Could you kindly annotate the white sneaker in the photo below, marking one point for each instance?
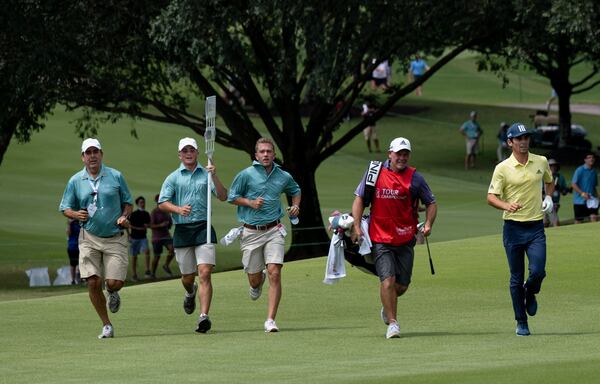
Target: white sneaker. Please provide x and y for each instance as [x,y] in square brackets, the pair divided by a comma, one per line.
[107,332]
[270,326]
[256,292]
[393,331]
[384,318]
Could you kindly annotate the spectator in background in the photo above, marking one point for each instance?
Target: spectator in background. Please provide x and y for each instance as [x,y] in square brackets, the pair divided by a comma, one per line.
[73,229]
[585,192]
[160,224]
[416,70]
[370,132]
[139,223]
[560,187]
[381,76]
[502,144]
[472,131]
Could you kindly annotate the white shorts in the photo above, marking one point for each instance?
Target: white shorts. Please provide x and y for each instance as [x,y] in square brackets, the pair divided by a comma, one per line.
[260,248]
[189,258]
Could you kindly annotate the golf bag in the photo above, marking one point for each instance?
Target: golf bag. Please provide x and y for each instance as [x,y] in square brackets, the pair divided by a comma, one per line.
[356,259]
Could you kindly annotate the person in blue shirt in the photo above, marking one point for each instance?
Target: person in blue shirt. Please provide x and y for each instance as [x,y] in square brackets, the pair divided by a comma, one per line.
[98,197]
[184,196]
[256,191]
[73,229]
[585,190]
[417,69]
[472,131]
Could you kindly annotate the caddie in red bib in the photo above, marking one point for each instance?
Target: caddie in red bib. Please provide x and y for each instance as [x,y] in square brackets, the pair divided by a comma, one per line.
[394,193]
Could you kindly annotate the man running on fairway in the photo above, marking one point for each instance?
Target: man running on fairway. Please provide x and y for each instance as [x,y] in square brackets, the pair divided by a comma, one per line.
[256,191]
[516,190]
[393,225]
[184,196]
[98,197]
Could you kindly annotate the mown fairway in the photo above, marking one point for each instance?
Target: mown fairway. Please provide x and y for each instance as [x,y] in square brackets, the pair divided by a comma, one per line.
[457,327]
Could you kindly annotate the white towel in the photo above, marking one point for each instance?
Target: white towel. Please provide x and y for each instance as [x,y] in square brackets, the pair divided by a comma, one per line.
[365,243]
[231,236]
[335,268]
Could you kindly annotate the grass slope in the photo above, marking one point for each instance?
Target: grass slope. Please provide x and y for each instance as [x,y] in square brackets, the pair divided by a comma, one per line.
[457,327]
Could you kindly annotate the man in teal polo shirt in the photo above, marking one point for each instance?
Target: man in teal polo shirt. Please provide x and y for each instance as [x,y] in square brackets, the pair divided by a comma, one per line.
[472,131]
[515,189]
[184,196]
[99,198]
[256,191]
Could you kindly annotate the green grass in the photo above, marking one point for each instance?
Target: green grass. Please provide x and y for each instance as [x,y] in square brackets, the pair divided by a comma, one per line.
[33,175]
[457,326]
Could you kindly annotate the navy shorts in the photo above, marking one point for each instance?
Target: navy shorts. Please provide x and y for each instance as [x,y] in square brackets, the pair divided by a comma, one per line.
[157,246]
[394,261]
[581,211]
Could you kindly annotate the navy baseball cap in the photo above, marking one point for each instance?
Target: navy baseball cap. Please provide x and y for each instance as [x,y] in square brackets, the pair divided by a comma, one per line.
[516,130]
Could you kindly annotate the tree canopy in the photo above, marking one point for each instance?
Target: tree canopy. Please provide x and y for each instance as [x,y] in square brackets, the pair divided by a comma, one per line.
[553,37]
[292,62]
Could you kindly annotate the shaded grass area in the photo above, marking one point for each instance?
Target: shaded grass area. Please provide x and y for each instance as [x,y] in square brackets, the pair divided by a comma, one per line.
[457,326]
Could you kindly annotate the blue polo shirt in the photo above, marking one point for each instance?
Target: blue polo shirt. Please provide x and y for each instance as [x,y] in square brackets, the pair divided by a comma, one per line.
[254,182]
[471,128]
[587,180]
[183,187]
[113,193]
[418,67]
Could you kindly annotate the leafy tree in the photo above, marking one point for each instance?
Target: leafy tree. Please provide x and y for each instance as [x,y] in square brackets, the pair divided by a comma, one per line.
[284,57]
[552,37]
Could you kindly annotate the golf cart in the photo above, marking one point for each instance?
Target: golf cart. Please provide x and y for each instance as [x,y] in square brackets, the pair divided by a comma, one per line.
[546,133]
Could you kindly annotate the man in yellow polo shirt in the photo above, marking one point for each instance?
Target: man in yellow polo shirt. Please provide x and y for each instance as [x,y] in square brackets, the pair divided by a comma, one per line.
[516,190]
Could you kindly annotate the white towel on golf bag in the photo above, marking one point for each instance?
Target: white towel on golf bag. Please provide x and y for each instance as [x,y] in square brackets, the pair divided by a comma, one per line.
[335,268]
[365,244]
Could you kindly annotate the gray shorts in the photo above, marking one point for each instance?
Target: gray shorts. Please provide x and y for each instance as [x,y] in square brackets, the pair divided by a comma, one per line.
[394,261]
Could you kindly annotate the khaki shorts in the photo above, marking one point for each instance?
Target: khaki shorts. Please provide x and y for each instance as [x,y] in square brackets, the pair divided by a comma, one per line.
[260,248]
[189,258]
[370,133]
[103,256]
[472,146]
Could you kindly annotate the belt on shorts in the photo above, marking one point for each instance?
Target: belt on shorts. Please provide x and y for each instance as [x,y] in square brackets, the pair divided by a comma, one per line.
[262,227]
[111,236]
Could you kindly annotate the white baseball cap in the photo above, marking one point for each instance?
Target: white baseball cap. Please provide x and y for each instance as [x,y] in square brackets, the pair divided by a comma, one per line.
[187,141]
[87,143]
[399,143]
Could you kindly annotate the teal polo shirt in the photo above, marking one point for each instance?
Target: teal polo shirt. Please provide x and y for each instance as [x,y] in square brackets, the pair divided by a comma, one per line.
[471,128]
[183,187]
[254,182]
[113,194]
[587,180]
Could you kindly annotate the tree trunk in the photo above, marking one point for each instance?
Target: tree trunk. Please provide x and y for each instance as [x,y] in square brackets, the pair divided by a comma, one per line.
[7,130]
[309,237]
[564,116]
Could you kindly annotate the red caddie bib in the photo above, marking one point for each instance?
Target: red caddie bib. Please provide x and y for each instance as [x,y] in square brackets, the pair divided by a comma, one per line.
[392,214]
